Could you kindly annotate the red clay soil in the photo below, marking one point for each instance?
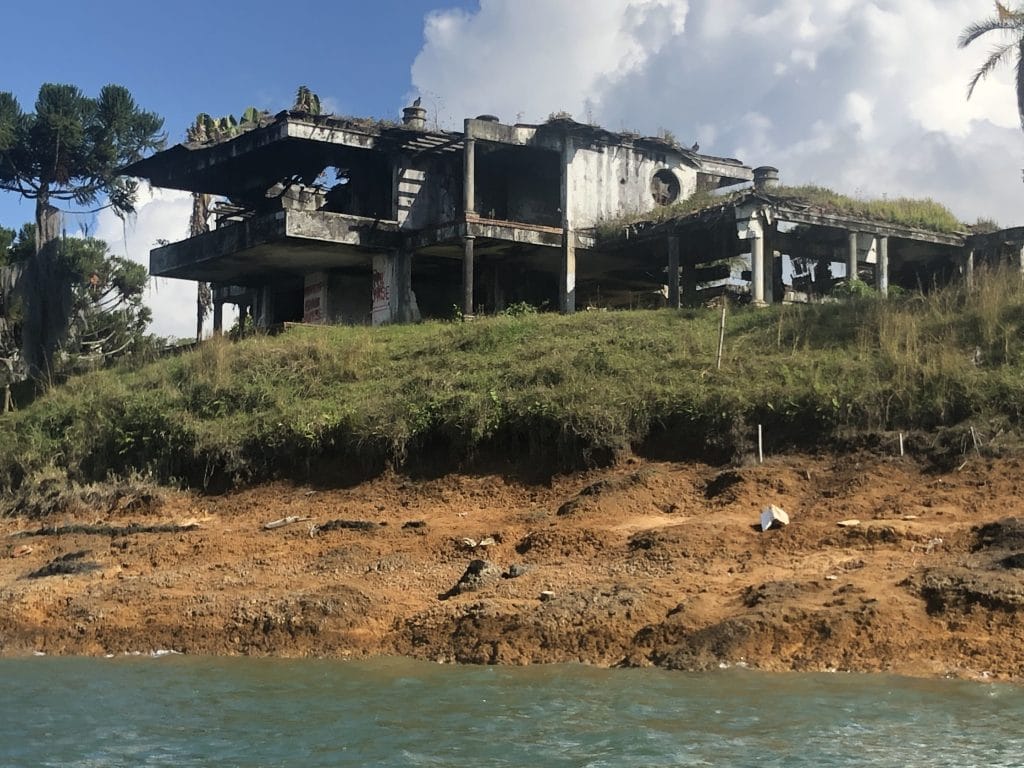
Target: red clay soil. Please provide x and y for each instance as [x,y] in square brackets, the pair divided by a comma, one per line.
[646,563]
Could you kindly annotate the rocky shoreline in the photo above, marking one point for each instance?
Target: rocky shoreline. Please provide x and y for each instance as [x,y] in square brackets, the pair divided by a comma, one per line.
[886,565]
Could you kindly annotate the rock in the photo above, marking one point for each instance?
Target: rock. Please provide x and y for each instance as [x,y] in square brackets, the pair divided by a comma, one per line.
[851,523]
[546,596]
[773,517]
[414,525]
[515,571]
[478,575]
[1007,533]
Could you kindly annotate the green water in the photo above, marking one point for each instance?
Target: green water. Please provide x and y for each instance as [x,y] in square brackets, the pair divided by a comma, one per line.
[178,711]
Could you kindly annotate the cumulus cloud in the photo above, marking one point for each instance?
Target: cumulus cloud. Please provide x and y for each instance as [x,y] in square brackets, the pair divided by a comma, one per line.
[867,96]
[161,214]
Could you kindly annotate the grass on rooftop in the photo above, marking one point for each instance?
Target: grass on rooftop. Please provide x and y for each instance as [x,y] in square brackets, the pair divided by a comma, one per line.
[923,213]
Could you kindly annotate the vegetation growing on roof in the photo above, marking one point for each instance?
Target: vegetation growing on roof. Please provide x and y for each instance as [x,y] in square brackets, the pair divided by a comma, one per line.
[923,213]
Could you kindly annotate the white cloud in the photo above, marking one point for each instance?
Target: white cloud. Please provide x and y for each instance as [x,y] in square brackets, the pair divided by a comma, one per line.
[161,214]
[867,96]
[526,59]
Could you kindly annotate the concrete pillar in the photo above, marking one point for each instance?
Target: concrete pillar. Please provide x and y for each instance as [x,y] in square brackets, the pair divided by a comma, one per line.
[851,257]
[778,287]
[673,271]
[567,277]
[469,175]
[567,271]
[467,276]
[1020,261]
[218,318]
[757,270]
[882,267]
[969,270]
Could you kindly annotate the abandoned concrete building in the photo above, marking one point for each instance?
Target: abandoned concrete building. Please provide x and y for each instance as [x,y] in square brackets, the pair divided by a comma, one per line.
[323,219]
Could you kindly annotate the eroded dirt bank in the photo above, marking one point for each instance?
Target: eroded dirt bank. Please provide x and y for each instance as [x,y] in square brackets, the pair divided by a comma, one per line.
[647,563]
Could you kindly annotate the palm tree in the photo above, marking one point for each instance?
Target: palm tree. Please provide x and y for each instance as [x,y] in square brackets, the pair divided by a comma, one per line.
[1011,23]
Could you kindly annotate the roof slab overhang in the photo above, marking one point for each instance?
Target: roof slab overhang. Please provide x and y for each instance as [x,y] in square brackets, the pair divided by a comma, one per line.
[820,224]
[286,148]
[281,243]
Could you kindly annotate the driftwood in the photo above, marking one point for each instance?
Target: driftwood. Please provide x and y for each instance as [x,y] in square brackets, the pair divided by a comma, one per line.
[281,523]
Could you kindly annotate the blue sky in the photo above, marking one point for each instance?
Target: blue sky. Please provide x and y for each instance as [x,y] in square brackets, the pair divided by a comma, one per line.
[179,59]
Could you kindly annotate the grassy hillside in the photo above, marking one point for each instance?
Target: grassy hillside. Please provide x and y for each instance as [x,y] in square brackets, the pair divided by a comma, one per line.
[541,391]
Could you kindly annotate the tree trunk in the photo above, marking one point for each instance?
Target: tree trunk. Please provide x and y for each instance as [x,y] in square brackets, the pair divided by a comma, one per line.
[47,295]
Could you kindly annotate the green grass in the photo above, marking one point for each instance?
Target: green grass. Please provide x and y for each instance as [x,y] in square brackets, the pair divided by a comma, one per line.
[909,212]
[540,390]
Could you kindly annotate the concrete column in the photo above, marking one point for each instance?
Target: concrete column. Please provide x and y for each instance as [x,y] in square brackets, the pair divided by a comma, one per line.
[1020,261]
[673,272]
[567,277]
[969,270]
[469,175]
[882,266]
[757,270]
[467,276]
[778,287]
[851,257]
[567,271]
[218,318]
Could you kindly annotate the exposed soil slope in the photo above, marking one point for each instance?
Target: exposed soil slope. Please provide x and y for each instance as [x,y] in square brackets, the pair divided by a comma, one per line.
[646,563]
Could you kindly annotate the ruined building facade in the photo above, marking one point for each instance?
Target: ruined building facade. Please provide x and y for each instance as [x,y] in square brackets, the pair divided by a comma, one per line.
[332,220]
[325,219]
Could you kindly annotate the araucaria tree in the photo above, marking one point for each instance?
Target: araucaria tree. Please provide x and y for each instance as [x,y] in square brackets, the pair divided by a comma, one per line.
[1011,24]
[68,150]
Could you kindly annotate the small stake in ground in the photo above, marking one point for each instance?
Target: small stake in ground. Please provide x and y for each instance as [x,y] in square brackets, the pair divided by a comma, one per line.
[760,446]
[901,443]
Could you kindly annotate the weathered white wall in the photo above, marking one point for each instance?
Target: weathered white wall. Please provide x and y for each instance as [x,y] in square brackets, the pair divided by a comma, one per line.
[607,181]
[384,294]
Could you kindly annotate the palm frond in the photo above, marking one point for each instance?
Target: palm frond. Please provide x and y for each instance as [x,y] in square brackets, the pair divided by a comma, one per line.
[973,31]
[995,58]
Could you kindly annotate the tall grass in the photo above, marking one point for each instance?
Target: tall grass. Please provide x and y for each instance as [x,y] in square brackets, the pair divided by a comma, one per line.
[542,390]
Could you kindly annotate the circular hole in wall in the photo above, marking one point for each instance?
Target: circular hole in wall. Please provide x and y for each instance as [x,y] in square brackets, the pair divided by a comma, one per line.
[665,187]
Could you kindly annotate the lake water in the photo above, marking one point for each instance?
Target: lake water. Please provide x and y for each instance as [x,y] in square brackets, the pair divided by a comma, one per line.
[179,711]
